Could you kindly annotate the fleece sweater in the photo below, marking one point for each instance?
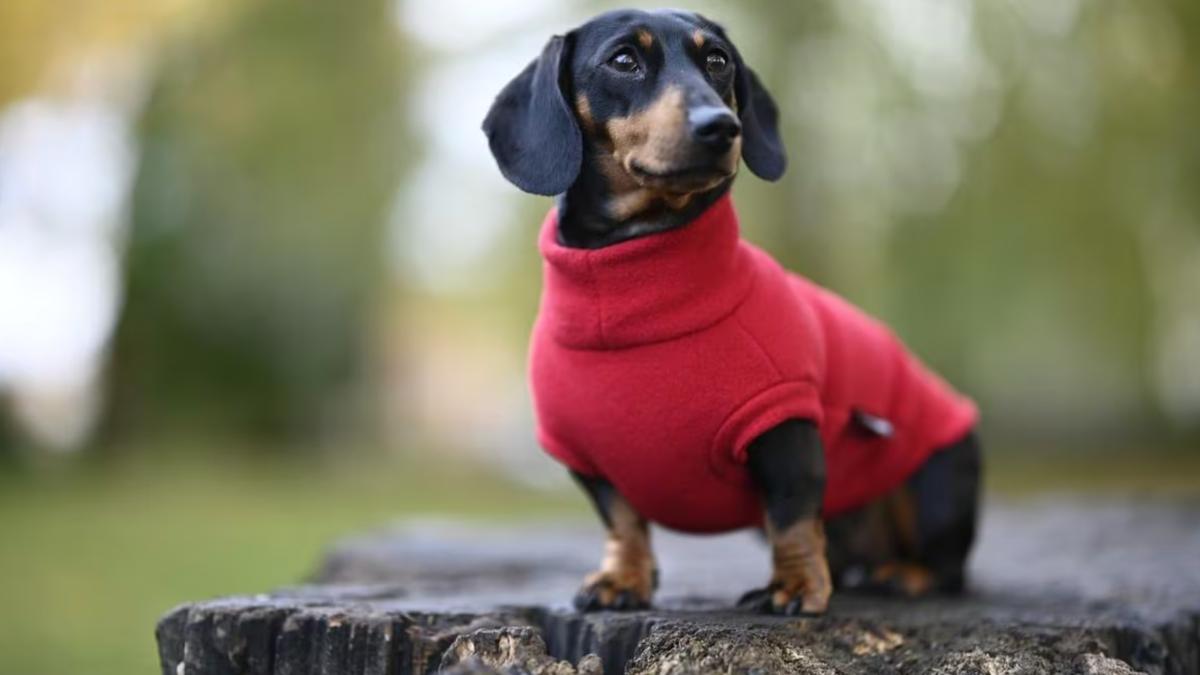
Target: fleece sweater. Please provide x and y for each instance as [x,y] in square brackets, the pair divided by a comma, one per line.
[656,361]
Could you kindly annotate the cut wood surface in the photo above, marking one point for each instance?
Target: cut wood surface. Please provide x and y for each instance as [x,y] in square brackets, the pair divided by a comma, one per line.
[1057,586]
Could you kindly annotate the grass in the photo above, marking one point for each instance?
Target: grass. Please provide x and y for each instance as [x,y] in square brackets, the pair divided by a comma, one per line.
[93,554]
[92,557]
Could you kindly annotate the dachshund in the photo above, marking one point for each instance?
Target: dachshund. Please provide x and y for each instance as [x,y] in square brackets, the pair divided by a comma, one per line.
[679,373]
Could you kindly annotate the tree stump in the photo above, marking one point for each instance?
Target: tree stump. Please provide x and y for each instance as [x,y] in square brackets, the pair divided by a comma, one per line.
[1057,586]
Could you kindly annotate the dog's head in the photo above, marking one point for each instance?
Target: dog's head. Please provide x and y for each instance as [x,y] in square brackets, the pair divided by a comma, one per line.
[659,103]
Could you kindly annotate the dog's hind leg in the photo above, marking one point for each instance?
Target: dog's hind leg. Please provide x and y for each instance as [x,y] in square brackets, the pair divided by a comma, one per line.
[945,494]
[915,540]
[628,574]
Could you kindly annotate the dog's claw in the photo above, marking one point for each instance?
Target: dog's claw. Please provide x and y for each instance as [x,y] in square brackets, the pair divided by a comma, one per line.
[626,600]
[584,600]
[592,599]
[588,600]
[796,608]
[758,599]
[619,602]
[762,600]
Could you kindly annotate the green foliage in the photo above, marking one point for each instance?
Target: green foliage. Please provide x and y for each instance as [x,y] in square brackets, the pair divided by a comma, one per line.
[269,156]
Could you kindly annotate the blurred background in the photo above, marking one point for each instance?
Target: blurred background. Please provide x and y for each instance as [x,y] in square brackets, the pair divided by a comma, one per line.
[261,283]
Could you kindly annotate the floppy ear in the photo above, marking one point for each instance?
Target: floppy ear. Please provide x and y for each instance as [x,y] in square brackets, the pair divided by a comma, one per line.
[762,148]
[532,131]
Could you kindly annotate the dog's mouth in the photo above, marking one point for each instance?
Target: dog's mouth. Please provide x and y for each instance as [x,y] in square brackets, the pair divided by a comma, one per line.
[681,179]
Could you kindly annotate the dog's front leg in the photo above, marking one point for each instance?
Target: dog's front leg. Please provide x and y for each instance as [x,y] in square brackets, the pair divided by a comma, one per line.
[787,464]
[628,574]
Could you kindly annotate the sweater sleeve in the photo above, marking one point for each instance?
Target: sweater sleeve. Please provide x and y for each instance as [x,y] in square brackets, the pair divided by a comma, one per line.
[781,402]
[779,320]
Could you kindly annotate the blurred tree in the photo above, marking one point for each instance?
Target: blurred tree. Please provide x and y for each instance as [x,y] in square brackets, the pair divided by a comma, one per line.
[269,157]
[1035,284]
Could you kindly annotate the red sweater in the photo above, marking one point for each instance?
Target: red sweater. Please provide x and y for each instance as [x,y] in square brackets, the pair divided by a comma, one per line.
[656,361]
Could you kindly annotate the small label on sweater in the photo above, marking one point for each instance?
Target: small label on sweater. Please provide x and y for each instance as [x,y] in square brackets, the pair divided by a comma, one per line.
[874,424]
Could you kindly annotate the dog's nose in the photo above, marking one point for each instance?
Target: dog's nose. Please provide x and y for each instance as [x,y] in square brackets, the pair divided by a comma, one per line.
[714,126]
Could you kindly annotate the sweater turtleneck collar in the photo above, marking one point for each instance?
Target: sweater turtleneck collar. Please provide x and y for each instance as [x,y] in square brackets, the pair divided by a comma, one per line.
[648,289]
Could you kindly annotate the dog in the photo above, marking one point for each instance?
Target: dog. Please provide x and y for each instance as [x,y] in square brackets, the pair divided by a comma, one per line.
[680,374]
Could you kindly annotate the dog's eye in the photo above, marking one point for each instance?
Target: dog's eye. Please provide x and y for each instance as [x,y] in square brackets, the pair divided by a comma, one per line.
[624,60]
[716,62]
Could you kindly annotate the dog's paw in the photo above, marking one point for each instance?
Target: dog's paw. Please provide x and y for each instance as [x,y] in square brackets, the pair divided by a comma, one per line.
[785,600]
[897,579]
[615,591]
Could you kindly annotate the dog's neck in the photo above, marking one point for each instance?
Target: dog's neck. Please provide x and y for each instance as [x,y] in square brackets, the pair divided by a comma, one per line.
[585,217]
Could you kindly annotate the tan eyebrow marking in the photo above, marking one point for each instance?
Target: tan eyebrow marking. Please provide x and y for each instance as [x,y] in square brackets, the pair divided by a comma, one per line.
[698,38]
[645,38]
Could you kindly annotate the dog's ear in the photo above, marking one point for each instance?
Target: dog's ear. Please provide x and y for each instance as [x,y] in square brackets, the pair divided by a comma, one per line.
[531,129]
[762,148]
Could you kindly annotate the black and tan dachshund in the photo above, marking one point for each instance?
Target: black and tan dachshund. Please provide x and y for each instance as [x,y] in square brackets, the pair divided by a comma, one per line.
[638,122]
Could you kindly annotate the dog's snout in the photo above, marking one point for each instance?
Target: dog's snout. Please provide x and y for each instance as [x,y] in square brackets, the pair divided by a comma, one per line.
[714,126]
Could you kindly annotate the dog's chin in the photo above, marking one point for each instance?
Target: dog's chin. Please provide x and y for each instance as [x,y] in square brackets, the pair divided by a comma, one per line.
[680,180]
